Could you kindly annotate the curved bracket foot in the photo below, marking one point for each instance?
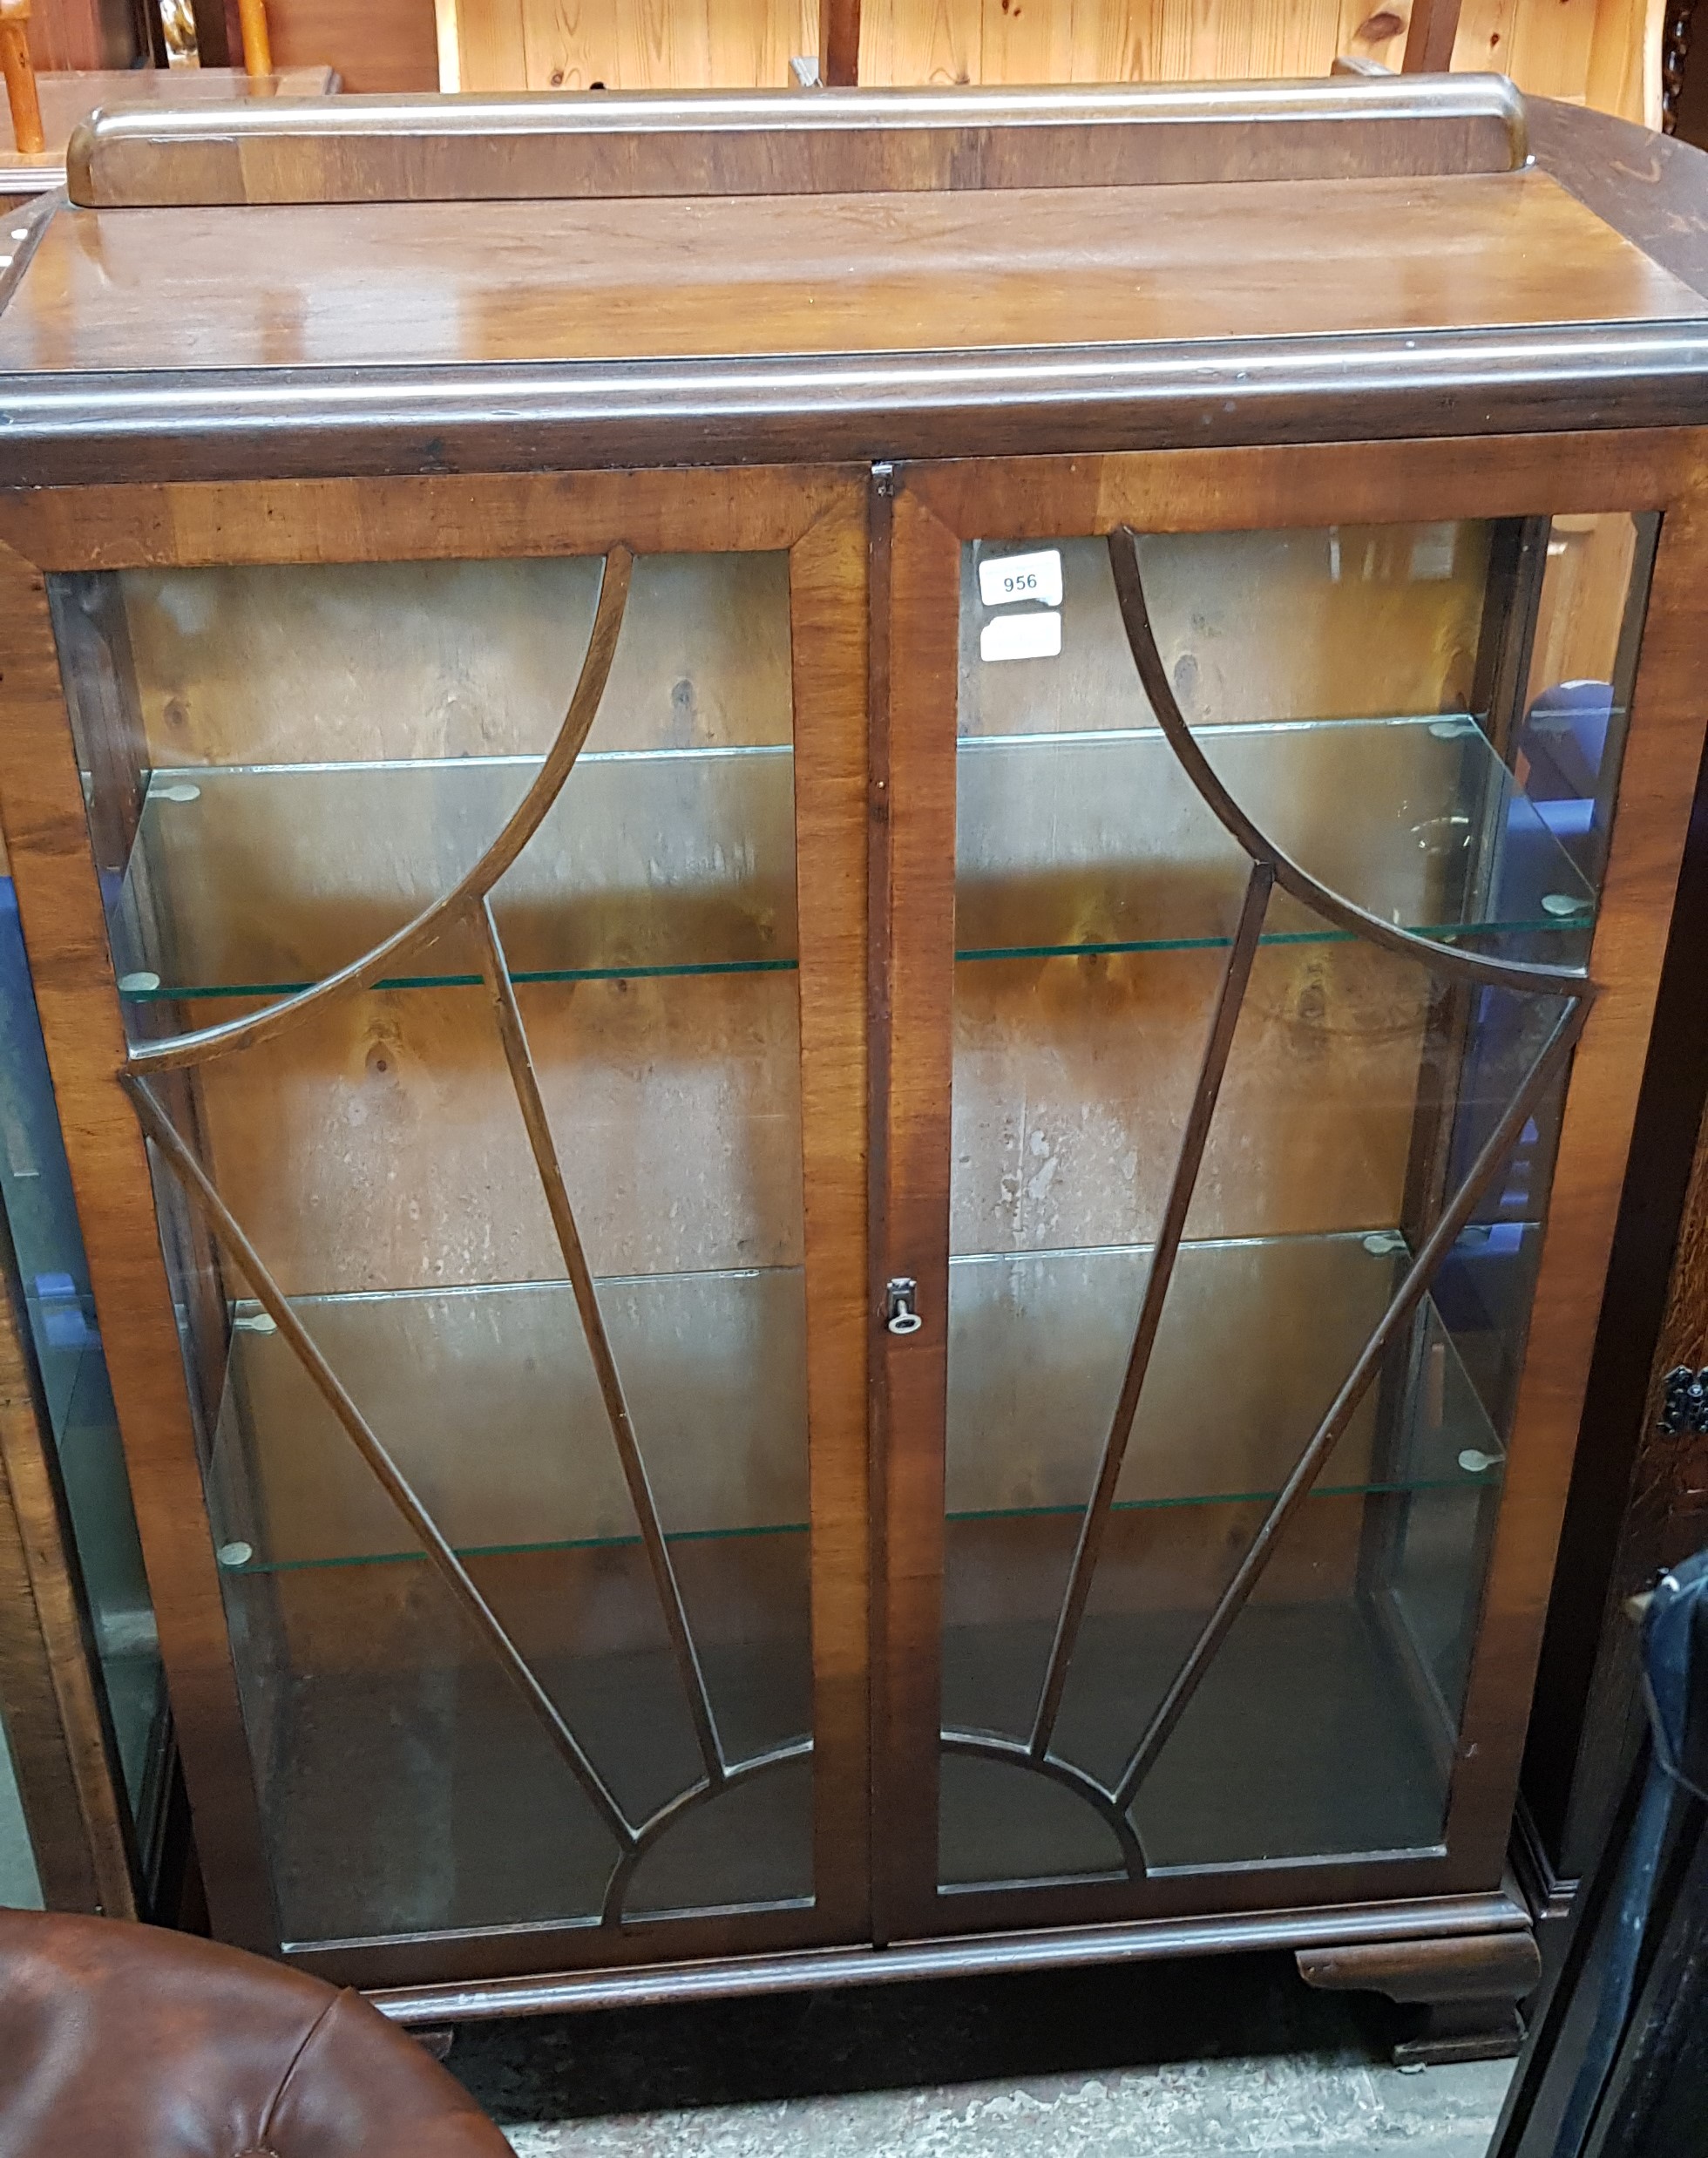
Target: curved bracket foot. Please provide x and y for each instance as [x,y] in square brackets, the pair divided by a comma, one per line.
[1464,1993]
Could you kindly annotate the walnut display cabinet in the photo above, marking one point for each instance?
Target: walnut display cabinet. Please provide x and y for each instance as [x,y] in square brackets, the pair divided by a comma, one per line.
[846,907]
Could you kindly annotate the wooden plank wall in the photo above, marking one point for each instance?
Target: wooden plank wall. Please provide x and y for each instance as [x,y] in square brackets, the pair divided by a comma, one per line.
[1606,53]
[628,45]
[1090,41]
[1603,52]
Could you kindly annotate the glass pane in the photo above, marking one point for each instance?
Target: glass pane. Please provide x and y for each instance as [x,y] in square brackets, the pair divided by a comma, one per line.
[1122,1667]
[20,1890]
[323,754]
[36,1193]
[1578,688]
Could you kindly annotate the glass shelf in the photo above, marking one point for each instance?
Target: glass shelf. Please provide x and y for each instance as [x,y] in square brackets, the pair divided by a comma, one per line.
[257,881]
[1096,842]
[379,1723]
[487,1399]
[1039,1341]
[1359,1628]
[250,880]
[713,1367]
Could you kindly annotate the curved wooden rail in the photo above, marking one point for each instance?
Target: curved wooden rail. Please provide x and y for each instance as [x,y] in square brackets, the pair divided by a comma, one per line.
[466,898]
[653,1832]
[1299,884]
[1106,1804]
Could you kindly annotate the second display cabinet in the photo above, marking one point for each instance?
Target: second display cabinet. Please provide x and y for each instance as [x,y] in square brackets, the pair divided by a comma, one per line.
[884,1087]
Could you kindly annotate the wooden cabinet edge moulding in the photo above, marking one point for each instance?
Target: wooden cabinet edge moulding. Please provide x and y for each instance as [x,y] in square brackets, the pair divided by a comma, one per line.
[1637,1499]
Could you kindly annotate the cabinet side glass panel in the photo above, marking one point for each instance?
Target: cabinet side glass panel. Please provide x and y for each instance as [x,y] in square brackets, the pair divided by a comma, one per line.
[20,1884]
[64,1335]
[531,1197]
[1223,1463]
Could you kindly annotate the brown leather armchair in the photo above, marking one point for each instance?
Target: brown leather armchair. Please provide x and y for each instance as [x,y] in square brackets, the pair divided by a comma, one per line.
[124,2038]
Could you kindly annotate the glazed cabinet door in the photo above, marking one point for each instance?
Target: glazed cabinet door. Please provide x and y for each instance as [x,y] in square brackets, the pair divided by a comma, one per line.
[1274,899]
[486,920]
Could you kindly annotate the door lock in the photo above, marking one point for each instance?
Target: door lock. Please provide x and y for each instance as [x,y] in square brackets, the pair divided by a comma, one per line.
[1683,1406]
[899,1315]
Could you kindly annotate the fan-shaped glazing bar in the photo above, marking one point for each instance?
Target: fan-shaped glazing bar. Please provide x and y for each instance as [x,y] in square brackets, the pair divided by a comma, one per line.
[202,1195]
[520,1058]
[986,1746]
[1194,1138]
[622,1873]
[1549,1064]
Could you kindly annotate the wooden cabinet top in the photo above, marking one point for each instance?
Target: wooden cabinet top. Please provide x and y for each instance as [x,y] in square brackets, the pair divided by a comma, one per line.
[406,284]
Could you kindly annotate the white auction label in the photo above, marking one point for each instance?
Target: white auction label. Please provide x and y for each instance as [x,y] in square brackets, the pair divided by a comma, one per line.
[1006,578]
[1021,637]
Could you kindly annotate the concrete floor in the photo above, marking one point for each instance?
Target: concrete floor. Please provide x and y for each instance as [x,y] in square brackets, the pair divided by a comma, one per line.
[1223,2059]
[1279,2107]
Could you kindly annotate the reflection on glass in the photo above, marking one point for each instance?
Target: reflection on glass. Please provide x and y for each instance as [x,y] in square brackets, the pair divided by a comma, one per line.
[288,815]
[36,1194]
[1360,693]
[713,1365]
[653,862]
[1050,864]
[1569,739]
[20,1890]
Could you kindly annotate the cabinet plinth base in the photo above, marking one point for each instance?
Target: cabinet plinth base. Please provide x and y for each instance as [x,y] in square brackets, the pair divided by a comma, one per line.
[1465,1992]
[1462,2030]
[553,1990]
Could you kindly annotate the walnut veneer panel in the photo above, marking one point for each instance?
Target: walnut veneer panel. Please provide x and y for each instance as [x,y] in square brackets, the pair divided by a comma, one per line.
[428,283]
